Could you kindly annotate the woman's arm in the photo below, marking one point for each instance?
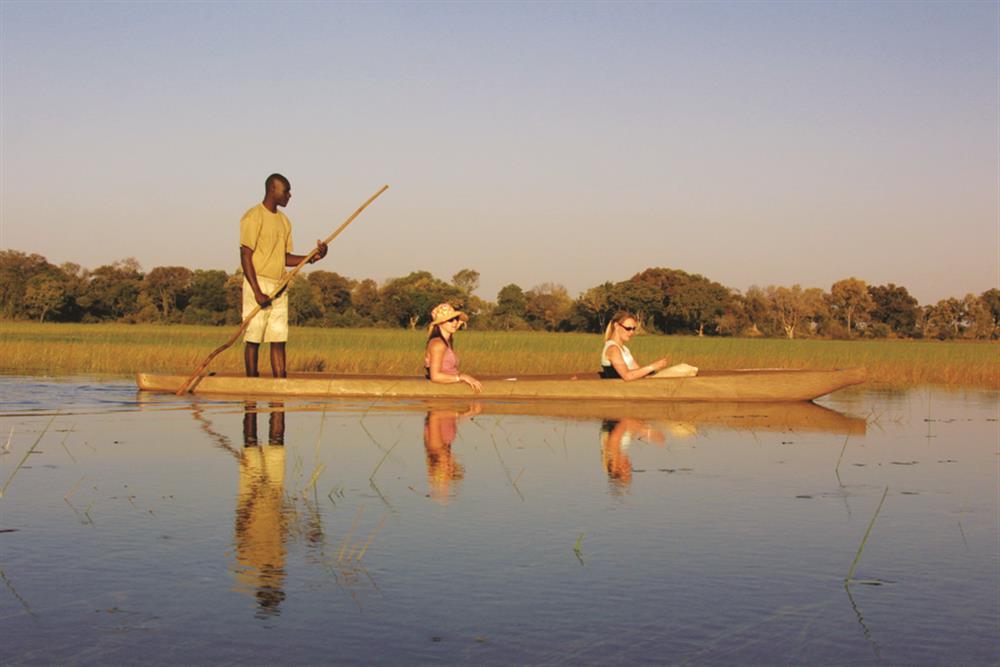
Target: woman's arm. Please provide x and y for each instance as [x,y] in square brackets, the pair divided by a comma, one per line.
[614,354]
[435,350]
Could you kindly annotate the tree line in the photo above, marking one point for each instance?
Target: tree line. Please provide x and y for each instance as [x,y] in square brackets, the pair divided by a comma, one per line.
[665,300]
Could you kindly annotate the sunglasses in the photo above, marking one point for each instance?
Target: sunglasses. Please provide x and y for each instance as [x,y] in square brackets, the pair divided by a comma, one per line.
[455,319]
[627,328]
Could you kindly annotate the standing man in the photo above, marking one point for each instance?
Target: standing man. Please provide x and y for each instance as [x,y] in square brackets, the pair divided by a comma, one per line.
[265,251]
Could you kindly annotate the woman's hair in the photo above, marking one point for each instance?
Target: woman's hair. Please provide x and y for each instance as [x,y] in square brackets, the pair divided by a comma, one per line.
[436,333]
[619,317]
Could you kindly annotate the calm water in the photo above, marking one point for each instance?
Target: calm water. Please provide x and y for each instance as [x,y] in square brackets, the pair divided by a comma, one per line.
[158,530]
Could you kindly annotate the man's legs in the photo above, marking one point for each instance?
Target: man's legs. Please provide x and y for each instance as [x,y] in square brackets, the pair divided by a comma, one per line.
[278,360]
[250,355]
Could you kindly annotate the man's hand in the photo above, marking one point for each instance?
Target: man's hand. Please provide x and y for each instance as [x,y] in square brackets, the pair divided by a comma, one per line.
[263,300]
[321,251]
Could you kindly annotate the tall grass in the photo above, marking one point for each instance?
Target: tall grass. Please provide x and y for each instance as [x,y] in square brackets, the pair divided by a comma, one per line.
[65,349]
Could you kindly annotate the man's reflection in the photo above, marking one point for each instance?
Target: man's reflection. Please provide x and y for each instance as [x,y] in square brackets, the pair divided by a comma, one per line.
[440,429]
[616,436]
[261,519]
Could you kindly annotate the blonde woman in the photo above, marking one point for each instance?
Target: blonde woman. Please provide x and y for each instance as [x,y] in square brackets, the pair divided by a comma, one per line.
[441,362]
[616,359]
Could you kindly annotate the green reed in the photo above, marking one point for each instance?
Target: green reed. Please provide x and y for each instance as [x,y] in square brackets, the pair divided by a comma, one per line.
[66,349]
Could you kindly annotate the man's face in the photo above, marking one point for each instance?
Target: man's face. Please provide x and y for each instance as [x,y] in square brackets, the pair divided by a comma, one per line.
[281,193]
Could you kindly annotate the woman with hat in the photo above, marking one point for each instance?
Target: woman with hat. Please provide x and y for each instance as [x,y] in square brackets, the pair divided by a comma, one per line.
[441,362]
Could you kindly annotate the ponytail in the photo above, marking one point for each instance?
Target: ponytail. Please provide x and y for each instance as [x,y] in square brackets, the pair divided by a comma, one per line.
[620,316]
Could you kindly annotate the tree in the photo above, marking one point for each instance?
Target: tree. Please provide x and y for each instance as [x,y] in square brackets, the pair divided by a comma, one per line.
[17,270]
[408,299]
[595,307]
[894,307]
[112,291]
[46,294]
[697,302]
[792,307]
[302,305]
[944,319]
[547,306]
[991,300]
[208,290]
[332,291]
[510,310]
[467,281]
[849,300]
[168,287]
[978,318]
[208,301]
[365,298]
[642,299]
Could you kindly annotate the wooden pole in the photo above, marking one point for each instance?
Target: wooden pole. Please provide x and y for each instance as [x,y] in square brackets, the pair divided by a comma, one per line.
[192,381]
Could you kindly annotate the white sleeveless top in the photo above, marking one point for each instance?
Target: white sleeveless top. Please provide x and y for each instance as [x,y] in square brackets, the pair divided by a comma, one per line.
[626,355]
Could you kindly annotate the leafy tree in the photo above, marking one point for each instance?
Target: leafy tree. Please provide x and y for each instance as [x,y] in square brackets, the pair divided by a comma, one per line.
[467,281]
[112,291]
[234,298]
[792,306]
[168,288]
[209,299]
[208,290]
[547,306]
[302,305]
[944,319]
[17,270]
[365,298]
[409,299]
[511,307]
[991,300]
[332,291]
[664,282]
[46,295]
[595,307]
[697,302]
[978,318]
[894,307]
[849,300]
[643,299]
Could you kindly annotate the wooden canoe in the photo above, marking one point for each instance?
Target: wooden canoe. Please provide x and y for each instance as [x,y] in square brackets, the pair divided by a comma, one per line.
[771,385]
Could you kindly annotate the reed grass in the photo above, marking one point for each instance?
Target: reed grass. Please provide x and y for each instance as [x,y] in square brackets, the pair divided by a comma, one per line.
[122,349]
[3,490]
[861,547]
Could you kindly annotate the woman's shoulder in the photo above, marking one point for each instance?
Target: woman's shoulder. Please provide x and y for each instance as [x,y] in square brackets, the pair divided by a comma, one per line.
[436,343]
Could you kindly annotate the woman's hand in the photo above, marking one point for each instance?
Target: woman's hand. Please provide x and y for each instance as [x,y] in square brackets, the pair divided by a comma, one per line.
[659,364]
[477,387]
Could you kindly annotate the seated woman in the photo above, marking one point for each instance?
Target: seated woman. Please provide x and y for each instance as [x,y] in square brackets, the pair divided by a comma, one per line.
[441,362]
[616,360]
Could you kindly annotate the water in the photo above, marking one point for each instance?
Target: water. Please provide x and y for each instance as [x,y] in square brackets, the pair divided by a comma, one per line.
[159,530]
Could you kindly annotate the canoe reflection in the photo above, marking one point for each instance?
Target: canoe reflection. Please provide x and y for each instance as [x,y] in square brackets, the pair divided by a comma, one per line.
[440,429]
[678,420]
[261,514]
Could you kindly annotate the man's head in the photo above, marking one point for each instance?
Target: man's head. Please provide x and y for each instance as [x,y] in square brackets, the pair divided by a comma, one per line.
[277,189]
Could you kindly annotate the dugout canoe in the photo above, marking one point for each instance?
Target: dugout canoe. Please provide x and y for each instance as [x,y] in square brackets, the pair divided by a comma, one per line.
[757,385]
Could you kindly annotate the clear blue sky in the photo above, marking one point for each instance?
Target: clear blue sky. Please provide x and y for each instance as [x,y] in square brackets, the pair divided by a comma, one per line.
[754,143]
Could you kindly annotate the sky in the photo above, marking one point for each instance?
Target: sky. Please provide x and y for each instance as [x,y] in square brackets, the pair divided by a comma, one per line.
[754,143]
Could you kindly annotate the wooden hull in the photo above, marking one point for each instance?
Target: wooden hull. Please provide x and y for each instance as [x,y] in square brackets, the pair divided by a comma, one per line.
[733,386]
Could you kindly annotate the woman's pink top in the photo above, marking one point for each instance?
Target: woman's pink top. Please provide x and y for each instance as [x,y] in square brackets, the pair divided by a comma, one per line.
[449,362]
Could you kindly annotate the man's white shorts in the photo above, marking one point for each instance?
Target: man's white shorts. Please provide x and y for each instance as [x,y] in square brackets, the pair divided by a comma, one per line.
[270,325]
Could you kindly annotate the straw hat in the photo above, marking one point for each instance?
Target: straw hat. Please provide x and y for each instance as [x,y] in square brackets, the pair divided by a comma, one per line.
[444,312]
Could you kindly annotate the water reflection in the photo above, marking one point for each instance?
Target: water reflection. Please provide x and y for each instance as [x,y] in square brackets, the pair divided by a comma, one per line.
[261,518]
[440,430]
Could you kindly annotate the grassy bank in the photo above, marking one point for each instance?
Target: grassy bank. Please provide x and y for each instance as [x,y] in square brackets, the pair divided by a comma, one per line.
[65,349]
